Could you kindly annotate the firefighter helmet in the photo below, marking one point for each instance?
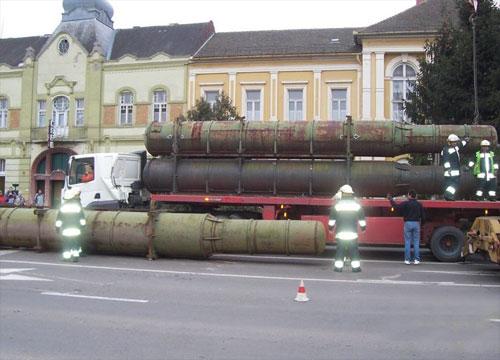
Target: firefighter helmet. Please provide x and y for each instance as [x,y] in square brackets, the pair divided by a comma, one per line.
[346,189]
[485,143]
[453,137]
[72,193]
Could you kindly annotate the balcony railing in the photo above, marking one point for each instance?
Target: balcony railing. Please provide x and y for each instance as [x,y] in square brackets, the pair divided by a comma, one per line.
[60,134]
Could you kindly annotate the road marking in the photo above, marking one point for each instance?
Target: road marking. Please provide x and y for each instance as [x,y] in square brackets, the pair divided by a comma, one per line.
[261,277]
[468,273]
[7,252]
[10,275]
[391,277]
[265,257]
[94,297]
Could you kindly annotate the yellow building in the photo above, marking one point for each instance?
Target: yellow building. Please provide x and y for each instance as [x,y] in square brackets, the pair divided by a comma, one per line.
[95,88]
[321,74]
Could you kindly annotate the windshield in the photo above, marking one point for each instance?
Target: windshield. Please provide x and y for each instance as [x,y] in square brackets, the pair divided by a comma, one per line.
[81,171]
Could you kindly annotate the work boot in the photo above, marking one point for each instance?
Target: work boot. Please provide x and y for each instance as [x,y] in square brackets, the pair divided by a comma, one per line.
[336,269]
[356,270]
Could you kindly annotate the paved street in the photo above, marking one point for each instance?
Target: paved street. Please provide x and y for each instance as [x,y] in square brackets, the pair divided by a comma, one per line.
[242,307]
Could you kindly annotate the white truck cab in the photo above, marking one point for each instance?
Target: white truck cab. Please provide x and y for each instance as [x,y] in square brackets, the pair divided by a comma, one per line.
[103,178]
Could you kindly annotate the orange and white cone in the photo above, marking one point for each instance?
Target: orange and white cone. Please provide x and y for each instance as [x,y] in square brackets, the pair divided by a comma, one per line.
[301,293]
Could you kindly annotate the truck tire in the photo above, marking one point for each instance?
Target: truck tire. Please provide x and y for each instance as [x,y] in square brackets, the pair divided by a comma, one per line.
[447,243]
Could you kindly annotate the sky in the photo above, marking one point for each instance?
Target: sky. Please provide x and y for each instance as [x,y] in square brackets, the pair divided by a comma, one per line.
[20,18]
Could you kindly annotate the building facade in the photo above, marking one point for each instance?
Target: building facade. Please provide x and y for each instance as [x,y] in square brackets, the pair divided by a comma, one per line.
[95,88]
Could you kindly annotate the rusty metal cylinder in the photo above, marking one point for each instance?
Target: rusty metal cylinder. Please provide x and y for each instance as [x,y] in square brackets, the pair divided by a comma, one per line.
[293,177]
[314,139]
[269,237]
[163,234]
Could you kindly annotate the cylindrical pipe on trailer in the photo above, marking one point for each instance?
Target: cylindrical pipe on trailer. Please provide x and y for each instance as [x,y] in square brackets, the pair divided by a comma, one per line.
[164,234]
[305,138]
[293,177]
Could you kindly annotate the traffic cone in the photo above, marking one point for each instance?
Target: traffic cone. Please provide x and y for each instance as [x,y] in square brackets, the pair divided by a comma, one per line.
[301,293]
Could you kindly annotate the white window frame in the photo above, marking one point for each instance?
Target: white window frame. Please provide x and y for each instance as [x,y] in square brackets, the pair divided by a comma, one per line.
[79,109]
[339,86]
[244,100]
[129,108]
[41,111]
[206,89]
[55,113]
[4,112]
[162,106]
[287,88]
[405,80]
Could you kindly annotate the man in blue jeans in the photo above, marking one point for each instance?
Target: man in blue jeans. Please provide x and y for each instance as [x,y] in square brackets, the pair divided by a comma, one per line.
[413,213]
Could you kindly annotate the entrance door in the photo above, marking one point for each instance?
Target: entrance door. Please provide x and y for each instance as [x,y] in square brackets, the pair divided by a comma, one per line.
[56,187]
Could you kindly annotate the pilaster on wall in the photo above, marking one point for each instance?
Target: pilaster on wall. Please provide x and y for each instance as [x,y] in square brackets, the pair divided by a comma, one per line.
[379,86]
[273,96]
[317,95]
[232,86]
[27,102]
[367,64]
[93,115]
[192,91]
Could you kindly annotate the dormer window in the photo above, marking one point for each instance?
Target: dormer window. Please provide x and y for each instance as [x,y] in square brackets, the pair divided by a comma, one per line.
[63,46]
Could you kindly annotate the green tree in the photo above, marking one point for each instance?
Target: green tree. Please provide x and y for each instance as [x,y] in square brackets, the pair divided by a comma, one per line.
[223,110]
[445,85]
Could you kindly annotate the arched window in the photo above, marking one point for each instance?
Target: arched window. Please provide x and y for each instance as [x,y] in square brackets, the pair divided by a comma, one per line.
[160,106]
[3,112]
[60,109]
[404,78]
[126,107]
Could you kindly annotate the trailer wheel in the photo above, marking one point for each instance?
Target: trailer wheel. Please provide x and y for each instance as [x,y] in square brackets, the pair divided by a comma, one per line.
[447,243]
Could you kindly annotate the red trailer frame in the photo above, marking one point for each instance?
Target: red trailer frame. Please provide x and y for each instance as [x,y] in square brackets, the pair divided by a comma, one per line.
[443,231]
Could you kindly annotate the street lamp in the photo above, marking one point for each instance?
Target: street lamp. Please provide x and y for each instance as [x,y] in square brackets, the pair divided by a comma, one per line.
[472,19]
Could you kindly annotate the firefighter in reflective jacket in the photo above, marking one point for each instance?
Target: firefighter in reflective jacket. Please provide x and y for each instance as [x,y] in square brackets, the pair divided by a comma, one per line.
[485,169]
[345,216]
[70,222]
[450,156]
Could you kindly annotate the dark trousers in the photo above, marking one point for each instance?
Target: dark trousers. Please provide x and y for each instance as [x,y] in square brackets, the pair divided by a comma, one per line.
[347,248]
[451,182]
[486,189]
[71,243]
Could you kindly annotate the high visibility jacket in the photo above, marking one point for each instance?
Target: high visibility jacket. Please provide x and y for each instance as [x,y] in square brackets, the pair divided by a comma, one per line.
[450,158]
[346,215]
[485,166]
[70,218]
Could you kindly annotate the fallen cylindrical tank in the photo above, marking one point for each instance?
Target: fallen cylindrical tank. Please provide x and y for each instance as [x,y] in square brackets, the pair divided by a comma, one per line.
[160,234]
[293,177]
[306,138]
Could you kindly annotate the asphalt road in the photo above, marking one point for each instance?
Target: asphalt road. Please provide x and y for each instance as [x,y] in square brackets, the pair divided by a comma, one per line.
[242,307]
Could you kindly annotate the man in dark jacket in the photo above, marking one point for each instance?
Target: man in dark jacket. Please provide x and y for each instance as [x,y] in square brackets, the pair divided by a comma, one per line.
[70,222]
[345,216]
[450,157]
[413,213]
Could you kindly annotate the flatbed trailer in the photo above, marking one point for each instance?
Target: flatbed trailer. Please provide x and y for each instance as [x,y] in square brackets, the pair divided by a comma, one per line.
[443,231]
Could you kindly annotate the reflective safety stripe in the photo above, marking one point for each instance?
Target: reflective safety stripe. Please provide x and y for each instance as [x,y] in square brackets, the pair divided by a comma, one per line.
[479,193]
[495,166]
[346,235]
[481,175]
[451,189]
[347,205]
[455,172]
[70,208]
[492,193]
[58,223]
[471,163]
[362,223]
[71,232]
[83,222]
[447,173]
[331,223]
[481,155]
[66,254]
[355,264]
[447,165]
[464,142]
[451,150]
[339,264]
